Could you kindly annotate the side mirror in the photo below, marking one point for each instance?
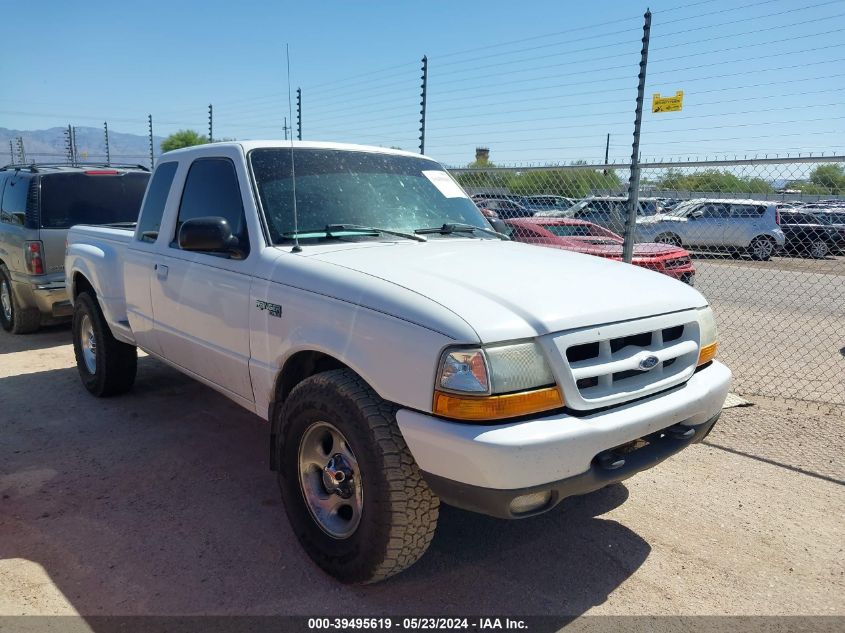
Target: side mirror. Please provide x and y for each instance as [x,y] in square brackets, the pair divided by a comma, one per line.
[210,235]
[499,225]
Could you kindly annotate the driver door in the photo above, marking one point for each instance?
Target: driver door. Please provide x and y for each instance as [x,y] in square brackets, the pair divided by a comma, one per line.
[706,224]
[201,301]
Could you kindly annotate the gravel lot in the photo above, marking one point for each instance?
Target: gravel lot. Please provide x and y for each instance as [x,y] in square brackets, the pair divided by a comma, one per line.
[161,502]
[781,324]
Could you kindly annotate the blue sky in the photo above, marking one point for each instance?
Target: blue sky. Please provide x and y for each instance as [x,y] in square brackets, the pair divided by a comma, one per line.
[540,81]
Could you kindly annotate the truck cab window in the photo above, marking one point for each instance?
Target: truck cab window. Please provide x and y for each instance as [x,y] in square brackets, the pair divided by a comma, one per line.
[212,190]
[153,209]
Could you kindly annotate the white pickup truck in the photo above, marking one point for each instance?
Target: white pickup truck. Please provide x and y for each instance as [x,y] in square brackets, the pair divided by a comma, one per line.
[403,353]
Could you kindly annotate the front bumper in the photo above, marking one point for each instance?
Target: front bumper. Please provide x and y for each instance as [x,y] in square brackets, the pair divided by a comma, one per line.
[548,451]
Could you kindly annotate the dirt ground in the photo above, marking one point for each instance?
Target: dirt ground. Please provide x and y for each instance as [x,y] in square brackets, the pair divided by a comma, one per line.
[161,502]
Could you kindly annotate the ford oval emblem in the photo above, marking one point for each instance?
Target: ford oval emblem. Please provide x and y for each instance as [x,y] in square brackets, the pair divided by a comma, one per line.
[649,362]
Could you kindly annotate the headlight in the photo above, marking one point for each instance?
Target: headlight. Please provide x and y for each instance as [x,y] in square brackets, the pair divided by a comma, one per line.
[709,336]
[495,382]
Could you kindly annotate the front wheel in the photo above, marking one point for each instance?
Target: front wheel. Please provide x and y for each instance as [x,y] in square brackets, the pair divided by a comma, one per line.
[761,249]
[353,493]
[106,366]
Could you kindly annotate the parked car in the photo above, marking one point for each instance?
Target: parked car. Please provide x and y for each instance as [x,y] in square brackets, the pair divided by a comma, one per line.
[731,226]
[807,234]
[609,212]
[507,208]
[491,216]
[591,239]
[547,202]
[834,218]
[39,202]
[402,353]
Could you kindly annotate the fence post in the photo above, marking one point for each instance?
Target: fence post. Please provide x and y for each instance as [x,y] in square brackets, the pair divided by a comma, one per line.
[423,93]
[210,124]
[634,180]
[150,124]
[108,150]
[299,114]
[21,150]
[12,150]
[69,143]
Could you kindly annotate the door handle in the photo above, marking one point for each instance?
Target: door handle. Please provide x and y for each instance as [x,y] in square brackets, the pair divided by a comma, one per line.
[161,271]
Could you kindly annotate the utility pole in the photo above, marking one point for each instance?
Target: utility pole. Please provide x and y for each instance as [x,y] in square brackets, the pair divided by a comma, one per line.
[423,93]
[299,114]
[73,145]
[150,124]
[286,128]
[607,153]
[108,151]
[21,151]
[210,124]
[634,180]
[12,150]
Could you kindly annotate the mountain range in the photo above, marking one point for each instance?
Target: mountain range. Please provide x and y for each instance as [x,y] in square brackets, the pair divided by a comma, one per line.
[50,145]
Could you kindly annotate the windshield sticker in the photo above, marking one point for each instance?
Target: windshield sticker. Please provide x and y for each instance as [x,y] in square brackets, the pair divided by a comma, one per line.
[444,183]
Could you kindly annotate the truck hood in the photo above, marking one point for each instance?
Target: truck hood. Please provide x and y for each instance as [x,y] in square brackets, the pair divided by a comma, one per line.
[507,290]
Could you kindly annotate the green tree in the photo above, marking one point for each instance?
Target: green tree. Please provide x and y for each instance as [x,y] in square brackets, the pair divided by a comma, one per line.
[182,138]
[829,177]
[713,180]
[572,183]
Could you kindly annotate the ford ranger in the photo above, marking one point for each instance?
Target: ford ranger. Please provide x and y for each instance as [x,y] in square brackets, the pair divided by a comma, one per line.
[402,351]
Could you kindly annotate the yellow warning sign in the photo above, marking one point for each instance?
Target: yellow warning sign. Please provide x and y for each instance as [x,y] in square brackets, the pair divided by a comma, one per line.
[667,104]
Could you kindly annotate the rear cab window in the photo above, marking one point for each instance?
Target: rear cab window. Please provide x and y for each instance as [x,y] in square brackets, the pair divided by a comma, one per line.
[150,221]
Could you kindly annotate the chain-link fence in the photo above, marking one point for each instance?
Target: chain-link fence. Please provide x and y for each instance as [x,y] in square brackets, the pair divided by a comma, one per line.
[764,240]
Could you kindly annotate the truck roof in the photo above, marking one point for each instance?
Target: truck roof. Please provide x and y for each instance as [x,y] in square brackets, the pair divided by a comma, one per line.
[282,144]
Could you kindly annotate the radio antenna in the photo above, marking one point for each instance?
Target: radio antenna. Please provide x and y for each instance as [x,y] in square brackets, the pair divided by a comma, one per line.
[296,247]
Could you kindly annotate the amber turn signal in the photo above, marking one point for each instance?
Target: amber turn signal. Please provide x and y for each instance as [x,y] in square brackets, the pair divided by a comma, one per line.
[707,353]
[508,405]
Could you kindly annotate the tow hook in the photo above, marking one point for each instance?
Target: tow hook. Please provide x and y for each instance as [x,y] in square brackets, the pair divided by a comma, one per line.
[611,460]
[681,432]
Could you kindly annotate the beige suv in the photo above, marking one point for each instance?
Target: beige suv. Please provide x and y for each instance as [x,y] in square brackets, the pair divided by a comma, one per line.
[38,204]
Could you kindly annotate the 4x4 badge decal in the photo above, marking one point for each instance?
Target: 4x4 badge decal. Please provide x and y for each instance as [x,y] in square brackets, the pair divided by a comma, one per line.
[273,309]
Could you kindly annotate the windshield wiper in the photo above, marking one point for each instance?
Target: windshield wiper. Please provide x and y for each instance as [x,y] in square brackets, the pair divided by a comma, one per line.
[330,229]
[457,227]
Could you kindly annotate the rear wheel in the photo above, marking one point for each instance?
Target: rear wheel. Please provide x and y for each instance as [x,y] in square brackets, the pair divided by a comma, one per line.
[668,238]
[818,249]
[106,366]
[353,493]
[761,248]
[13,318]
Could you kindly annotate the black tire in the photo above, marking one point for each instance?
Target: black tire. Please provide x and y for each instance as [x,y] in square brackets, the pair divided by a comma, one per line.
[668,238]
[115,363]
[18,320]
[399,511]
[761,248]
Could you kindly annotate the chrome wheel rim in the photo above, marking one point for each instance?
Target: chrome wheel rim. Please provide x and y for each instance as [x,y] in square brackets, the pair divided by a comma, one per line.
[330,480]
[818,249]
[763,248]
[6,300]
[88,344]
[667,239]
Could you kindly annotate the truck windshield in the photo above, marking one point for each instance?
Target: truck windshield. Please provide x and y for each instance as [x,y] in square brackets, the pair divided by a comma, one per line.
[343,187]
[79,198]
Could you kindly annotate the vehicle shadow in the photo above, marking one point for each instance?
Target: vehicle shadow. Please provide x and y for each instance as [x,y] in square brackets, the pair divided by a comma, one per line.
[161,502]
[46,337]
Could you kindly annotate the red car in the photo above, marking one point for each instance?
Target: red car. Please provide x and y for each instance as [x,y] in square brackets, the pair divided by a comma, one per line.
[589,238]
